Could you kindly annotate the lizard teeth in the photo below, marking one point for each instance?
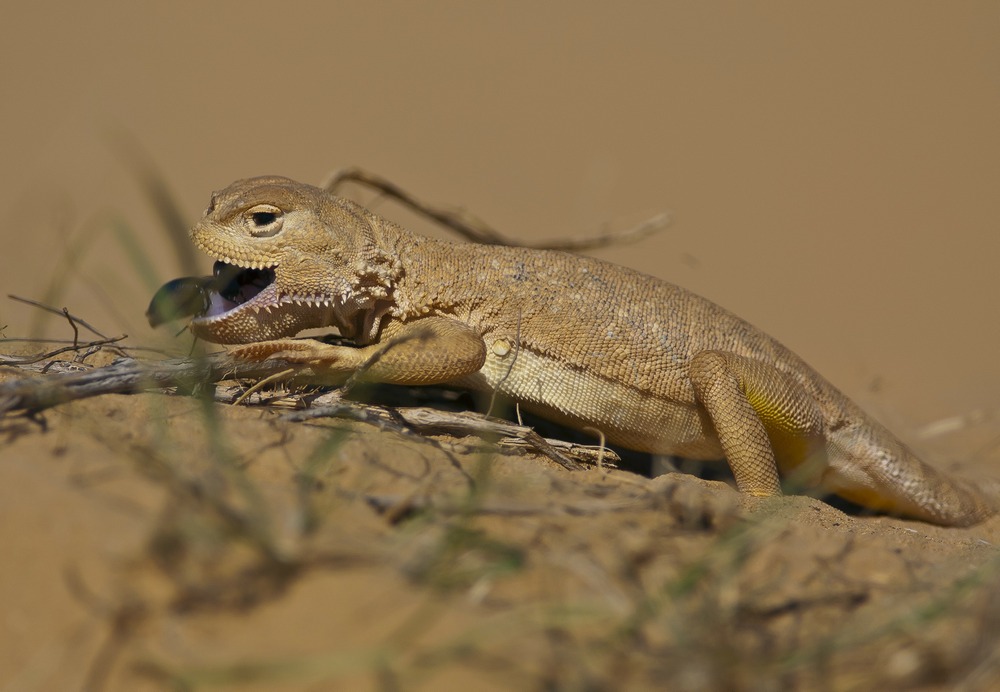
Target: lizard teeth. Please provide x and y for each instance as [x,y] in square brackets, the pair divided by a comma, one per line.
[306,301]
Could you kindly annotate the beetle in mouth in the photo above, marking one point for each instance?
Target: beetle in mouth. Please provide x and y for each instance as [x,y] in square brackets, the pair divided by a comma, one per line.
[205,297]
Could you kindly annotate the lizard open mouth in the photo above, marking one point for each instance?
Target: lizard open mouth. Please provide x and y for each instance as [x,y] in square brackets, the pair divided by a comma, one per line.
[232,286]
[239,305]
[208,297]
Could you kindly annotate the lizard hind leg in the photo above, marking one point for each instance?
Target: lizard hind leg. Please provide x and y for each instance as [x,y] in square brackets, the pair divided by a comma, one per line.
[765,420]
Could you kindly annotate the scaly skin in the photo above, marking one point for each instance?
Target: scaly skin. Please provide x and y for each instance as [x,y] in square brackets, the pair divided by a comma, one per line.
[581,341]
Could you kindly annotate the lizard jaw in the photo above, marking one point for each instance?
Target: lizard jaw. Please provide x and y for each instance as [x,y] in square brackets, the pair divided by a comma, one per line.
[234,288]
[245,304]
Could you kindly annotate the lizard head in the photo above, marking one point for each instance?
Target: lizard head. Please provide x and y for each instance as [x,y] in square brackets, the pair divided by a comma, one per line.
[288,257]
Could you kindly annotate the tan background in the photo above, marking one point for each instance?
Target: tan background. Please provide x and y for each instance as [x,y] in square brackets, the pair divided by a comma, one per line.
[833,168]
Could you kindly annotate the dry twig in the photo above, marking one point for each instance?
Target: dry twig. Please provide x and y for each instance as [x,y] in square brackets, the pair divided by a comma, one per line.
[128,376]
[430,421]
[63,312]
[475,229]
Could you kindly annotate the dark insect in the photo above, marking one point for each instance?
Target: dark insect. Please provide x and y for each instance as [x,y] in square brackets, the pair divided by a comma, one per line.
[179,298]
[228,287]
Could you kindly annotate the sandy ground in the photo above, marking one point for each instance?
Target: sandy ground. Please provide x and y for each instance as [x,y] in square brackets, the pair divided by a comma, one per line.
[833,174]
[164,542]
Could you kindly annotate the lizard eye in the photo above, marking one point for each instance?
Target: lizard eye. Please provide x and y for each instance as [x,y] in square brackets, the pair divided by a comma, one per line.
[263,220]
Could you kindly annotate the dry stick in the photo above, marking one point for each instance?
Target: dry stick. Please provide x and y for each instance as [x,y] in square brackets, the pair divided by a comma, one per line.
[468,422]
[56,311]
[260,384]
[600,435]
[72,324]
[129,376]
[477,230]
[423,418]
[653,224]
[10,360]
[463,223]
[429,420]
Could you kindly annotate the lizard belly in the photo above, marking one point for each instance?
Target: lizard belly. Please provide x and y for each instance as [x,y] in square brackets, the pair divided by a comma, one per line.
[627,416]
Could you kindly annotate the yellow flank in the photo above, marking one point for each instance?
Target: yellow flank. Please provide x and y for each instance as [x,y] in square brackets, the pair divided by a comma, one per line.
[588,343]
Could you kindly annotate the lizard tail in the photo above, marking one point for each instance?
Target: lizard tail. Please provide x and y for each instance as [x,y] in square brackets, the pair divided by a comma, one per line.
[878,471]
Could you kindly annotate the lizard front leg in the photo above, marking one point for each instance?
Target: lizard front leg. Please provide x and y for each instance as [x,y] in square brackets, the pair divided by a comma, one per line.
[763,418]
[426,351]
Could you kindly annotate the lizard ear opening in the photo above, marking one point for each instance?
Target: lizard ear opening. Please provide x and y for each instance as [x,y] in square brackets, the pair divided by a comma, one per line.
[263,220]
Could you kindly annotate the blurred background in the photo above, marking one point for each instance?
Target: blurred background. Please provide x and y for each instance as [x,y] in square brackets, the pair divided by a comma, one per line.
[833,168]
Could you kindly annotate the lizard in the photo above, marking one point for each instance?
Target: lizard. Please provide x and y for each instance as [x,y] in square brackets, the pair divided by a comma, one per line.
[586,343]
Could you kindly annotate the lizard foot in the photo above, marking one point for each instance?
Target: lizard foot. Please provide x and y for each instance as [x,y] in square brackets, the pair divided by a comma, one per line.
[297,351]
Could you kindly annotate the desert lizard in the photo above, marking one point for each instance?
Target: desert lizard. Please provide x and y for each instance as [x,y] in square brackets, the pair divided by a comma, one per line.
[586,343]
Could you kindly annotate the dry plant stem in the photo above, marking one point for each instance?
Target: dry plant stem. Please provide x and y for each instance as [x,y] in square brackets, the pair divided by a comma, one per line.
[260,384]
[154,185]
[32,395]
[478,231]
[422,420]
[62,312]
[131,376]
[9,360]
[429,421]
[600,434]
[652,225]
[464,224]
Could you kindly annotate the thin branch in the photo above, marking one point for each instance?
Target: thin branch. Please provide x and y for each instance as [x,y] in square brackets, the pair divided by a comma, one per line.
[652,225]
[464,224]
[603,447]
[72,325]
[10,360]
[62,312]
[475,229]
[432,421]
[129,376]
[260,384]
